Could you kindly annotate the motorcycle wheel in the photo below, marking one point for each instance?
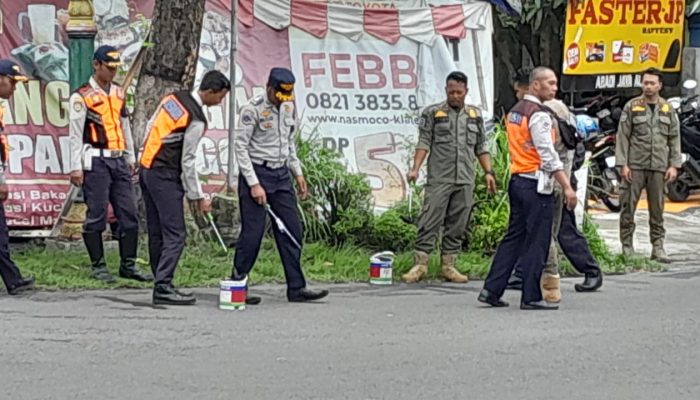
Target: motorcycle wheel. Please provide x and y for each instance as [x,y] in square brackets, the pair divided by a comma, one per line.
[678,190]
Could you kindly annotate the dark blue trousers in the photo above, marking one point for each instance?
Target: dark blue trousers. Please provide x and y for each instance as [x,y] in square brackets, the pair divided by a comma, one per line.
[109,181]
[528,237]
[165,214]
[8,269]
[574,244]
[281,198]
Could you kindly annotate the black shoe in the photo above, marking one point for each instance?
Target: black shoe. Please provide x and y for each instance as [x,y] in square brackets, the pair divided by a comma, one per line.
[486,297]
[128,247]
[93,243]
[101,274]
[23,285]
[253,300]
[170,296]
[515,283]
[135,274]
[591,283]
[304,295]
[538,305]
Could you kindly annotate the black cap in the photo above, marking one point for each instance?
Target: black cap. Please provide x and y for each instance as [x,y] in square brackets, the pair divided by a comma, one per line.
[11,69]
[282,82]
[108,55]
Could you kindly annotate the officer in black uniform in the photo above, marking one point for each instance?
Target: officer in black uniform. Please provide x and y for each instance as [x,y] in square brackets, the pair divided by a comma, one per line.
[10,74]
[266,155]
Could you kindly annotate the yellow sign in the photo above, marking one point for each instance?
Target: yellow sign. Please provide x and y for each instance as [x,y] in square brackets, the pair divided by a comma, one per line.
[623,36]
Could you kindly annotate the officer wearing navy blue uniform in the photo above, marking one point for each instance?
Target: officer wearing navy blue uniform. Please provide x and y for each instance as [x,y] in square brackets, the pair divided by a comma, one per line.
[102,163]
[10,75]
[266,155]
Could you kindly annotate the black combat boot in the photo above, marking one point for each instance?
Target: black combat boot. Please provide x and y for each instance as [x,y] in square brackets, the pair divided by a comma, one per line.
[93,243]
[128,247]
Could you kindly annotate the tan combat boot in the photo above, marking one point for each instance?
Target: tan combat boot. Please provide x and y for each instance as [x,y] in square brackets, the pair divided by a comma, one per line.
[449,271]
[658,254]
[550,288]
[420,268]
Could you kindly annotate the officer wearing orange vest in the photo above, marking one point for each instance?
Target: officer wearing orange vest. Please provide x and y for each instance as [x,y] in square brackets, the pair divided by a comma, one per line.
[534,165]
[10,74]
[168,173]
[102,162]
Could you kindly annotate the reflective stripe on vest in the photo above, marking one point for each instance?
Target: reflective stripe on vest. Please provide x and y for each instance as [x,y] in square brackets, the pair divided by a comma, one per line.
[104,129]
[524,157]
[172,118]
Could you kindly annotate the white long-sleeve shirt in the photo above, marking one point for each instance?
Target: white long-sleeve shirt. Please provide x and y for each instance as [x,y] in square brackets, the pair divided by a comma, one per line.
[76,127]
[540,125]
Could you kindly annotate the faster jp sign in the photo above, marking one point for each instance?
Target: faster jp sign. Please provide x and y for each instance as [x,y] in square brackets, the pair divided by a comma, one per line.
[623,36]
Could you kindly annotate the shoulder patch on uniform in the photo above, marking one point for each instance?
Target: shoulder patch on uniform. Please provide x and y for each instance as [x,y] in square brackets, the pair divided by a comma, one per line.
[248,117]
[515,118]
[638,108]
[174,109]
[440,114]
[665,108]
[78,106]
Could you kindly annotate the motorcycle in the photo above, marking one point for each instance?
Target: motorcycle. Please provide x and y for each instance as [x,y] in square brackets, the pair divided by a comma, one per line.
[688,179]
[599,135]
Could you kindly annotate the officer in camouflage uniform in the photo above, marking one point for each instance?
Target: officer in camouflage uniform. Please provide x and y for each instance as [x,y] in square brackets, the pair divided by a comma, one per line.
[649,153]
[453,134]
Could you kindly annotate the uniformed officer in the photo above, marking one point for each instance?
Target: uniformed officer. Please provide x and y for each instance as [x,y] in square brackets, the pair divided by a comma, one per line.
[565,234]
[102,162]
[266,155]
[649,154]
[169,152]
[534,165]
[10,74]
[453,135]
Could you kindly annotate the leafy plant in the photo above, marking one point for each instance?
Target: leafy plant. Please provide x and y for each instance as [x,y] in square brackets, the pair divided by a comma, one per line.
[489,219]
[340,204]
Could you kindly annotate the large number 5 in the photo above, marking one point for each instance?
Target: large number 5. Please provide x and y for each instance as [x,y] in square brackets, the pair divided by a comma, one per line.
[367,150]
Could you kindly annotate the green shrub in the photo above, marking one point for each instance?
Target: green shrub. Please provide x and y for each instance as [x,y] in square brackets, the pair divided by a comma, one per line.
[340,204]
[489,219]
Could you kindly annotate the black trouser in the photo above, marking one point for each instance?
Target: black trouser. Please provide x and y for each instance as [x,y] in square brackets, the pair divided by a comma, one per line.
[109,181]
[281,198]
[163,194]
[528,237]
[8,269]
[574,245]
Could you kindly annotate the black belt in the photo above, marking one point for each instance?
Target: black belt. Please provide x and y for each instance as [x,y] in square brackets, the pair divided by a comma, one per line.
[270,164]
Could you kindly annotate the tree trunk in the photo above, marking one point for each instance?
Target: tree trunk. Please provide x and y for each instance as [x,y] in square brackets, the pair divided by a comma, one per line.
[170,63]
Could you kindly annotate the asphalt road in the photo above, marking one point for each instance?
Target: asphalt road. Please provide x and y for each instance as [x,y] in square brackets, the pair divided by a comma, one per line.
[637,339]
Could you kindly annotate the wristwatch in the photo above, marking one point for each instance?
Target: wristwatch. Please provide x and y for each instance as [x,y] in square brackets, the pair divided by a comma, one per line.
[490,172]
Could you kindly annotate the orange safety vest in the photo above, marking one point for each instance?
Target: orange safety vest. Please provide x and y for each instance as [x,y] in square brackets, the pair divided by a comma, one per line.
[103,126]
[163,145]
[524,157]
[4,144]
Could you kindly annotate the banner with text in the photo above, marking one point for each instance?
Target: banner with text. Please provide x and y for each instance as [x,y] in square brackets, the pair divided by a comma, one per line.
[363,97]
[623,37]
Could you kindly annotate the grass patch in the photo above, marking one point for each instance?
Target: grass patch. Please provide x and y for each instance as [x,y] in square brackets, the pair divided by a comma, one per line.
[205,263]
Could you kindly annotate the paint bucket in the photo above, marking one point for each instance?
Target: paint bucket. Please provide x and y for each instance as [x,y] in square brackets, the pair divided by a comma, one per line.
[232,294]
[380,268]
